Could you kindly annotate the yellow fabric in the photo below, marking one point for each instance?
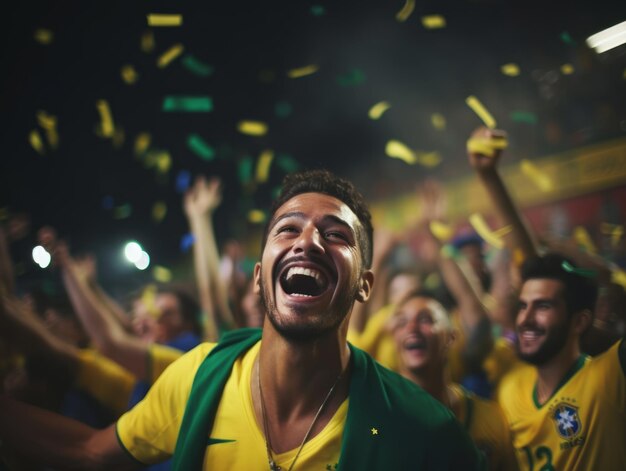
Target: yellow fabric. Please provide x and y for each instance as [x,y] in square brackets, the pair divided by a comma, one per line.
[376,340]
[502,359]
[109,383]
[150,429]
[488,428]
[595,398]
[160,358]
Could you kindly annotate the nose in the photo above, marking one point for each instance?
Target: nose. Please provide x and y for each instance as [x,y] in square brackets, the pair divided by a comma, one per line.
[525,315]
[309,241]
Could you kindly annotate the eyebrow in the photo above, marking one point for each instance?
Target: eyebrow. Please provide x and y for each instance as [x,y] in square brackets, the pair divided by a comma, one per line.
[301,215]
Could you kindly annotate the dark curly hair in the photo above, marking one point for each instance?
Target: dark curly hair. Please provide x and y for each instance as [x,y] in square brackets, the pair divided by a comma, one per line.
[323,181]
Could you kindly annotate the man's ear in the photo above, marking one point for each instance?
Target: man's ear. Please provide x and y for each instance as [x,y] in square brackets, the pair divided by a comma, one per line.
[257,278]
[583,320]
[365,286]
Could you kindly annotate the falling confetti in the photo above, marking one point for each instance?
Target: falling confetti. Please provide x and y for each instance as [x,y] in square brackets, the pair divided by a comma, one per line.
[163,162]
[398,150]
[190,104]
[183,180]
[302,71]
[438,121]
[161,274]
[433,21]
[123,211]
[512,70]
[263,166]
[252,128]
[428,159]
[158,19]
[354,77]
[200,147]
[282,109]
[481,227]
[256,216]
[142,142]
[523,117]
[567,69]
[43,36]
[566,38]
[168,56]
[287,163]
[196,66]
[539,178]
[619,277]
[441,231]
[583,239]
[106,120]
[406,11]
[245,169]
[186,241]
[129,74]
[481,111]
[615,231]
[36,142]
[486,146]
[49,123]
[147,42]
[378,109]
[317,10]
[159,210]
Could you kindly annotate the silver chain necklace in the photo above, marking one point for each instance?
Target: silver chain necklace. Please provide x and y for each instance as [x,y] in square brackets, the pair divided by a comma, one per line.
[268,442]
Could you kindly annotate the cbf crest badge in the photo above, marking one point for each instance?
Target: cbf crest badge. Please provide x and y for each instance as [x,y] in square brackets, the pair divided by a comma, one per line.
[566,420]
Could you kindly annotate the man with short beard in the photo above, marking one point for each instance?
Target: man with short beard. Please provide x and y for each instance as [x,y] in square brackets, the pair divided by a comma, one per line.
[301,398]
[566,411]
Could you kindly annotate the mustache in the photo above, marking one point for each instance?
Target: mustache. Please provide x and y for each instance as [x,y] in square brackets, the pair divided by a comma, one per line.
[280,266]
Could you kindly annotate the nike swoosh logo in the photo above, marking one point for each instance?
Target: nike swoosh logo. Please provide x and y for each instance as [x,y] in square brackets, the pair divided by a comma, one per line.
[215,441]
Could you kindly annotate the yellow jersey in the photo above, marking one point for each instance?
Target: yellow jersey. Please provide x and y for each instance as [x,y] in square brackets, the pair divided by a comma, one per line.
[149,431]
[582,426]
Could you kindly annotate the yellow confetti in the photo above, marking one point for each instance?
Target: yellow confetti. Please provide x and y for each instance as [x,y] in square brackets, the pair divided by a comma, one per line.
[263,166]
[168,56]
[406,11]
[147,42]
[615,231]
[486,146]
[398,150]
[159,210]
[483,230]
[438,121]
[428,159]
[161,274]
[433,21]
[512,70]
[567,69]
[53,137]
[158,19]
[441,231]
[302,71]
[252,128]
[142,142]
[43,36]
[148,299]
[619,277]
[163,162]
[583,239]
[45,120]
[129,74]
[36,142]
[543,182]
[502,231]
[106,120]
[378,109]
[481,111]
[256,216]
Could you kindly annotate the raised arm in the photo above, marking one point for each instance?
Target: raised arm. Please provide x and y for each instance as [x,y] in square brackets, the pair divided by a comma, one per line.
[484,160]
[200,201]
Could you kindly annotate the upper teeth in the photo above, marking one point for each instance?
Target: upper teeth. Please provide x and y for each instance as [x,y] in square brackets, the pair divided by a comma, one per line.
[306,272]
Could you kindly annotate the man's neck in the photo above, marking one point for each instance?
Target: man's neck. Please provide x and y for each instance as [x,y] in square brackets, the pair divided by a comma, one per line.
[550,374]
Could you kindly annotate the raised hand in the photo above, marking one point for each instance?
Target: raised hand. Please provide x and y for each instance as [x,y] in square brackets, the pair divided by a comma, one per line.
[485,147]
[203,197]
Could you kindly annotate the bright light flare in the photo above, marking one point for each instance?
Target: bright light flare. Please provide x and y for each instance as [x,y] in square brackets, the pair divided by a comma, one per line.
[132,252]
[143,261]
[41,256]
[609,38]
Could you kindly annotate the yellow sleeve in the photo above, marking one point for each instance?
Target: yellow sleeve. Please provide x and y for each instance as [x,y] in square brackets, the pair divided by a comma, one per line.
[106,381]
[160,358]
[149,430]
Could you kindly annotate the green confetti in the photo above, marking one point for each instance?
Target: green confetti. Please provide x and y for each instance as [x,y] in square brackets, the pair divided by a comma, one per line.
[287,163]
[191,104]
[523,117]
[354,77]
[200,147]
[246,166]
[566,38]
[197,67]
[282,109]
[318,10]
[122,212]
[276,192]
[578,271]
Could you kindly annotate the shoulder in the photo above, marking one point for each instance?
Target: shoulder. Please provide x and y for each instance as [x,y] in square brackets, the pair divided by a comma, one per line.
[518,379]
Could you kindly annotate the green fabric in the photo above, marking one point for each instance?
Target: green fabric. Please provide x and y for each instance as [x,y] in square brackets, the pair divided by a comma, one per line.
[412,430]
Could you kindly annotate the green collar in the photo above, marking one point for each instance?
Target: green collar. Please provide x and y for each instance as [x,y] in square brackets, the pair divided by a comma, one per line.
[578,364]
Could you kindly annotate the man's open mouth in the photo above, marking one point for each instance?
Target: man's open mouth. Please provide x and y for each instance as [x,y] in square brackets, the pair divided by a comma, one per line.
[415,345]
[301,281]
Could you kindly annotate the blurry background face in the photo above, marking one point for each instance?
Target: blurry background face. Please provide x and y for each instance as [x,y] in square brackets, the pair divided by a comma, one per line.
[170,320]
[422,333]
[144,321]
